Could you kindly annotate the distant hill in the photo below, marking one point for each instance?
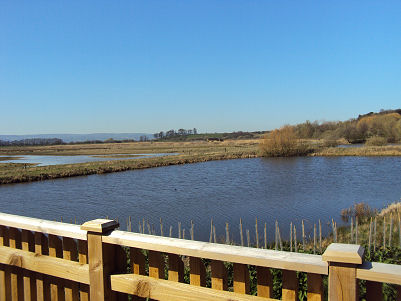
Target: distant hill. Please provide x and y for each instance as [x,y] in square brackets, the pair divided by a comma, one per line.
[79,137]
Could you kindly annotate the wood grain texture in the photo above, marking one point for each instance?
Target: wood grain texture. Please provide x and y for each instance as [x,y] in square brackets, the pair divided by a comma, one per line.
[175,268]
[197,272]
[259,257]
[101,259]
[83,259]
[42,283]
[120,267]
[56,284]
[264,282]
[100,225]
[156,265]
[56,267]
[241,279]
[219,275]
[158,289]
[137,261]
[43,226]
[5,275]
[344,253]
[17,285]
[70,252]
[379,272]
[315,287]
[290,286]
[374,291]
[342,282]
[28,244]
[96,268]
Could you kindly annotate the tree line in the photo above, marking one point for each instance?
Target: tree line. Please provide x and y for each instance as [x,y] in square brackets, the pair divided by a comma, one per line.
[174,133]
[32,141]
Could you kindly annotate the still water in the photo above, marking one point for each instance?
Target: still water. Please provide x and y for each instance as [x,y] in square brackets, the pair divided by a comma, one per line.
[40,160]
[282,189]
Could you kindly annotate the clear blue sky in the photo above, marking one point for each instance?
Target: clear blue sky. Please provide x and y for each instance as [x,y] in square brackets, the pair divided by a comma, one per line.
[146,66]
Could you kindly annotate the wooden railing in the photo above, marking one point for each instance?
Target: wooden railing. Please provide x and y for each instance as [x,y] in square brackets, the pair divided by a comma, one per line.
[44,260]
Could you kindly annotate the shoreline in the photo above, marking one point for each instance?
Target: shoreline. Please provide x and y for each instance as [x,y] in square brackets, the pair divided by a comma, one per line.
[188,153]
[40,173]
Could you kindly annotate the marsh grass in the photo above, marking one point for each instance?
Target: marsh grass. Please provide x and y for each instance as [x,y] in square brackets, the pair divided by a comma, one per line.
[9,158]
[388,150]
[188,152]
[376,141]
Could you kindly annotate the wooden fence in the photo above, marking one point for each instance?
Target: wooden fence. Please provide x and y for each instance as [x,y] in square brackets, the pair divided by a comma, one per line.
[44,260]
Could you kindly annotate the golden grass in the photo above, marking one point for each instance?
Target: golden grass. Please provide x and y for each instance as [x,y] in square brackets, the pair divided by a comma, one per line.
[394,208]
[9,158]
[389,150]
[189,152]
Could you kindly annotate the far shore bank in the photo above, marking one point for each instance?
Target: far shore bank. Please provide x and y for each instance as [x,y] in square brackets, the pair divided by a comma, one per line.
[188,152]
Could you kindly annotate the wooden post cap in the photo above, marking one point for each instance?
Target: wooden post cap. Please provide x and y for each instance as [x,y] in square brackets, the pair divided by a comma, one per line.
[345,253]
[100,225]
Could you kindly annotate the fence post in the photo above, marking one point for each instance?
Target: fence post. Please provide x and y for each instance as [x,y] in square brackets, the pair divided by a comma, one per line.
[343,260]
[100,258]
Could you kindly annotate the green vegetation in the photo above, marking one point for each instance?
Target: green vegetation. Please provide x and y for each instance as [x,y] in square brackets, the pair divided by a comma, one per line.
[379,254]
[193,135]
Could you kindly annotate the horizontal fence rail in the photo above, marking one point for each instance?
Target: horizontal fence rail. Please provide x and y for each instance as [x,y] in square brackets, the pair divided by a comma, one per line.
[45,260]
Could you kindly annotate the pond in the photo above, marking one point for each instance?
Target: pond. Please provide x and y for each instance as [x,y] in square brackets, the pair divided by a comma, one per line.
[282,189]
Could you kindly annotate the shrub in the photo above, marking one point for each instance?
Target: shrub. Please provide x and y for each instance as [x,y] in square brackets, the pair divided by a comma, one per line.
[361,210]
[376,141]
[330,143]
[283,143]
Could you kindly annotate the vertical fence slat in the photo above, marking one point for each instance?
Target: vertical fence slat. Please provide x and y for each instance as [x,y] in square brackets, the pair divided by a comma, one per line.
[219,275]
[241,278]
[290,285]
[83,258]
[315,287]
[70,253]
[175,268]
[137,262]
[42,283]
[101,257]
[374,291]
[5,293]
[156,265]
[197,272]
[264,282]
[120,268]
[28,244]
[17,286]
[56,250]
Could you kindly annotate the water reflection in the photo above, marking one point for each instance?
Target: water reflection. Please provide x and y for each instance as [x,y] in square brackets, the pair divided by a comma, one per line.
[55,160]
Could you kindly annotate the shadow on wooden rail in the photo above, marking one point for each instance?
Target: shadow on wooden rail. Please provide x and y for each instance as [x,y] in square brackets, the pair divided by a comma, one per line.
[44,260]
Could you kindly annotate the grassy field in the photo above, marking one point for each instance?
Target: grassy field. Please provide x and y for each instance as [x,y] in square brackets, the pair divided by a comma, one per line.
[388,150]
[187,152]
